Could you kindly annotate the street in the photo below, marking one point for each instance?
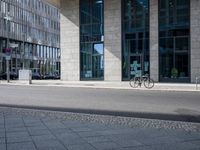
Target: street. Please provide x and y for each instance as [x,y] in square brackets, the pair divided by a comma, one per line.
[169,105]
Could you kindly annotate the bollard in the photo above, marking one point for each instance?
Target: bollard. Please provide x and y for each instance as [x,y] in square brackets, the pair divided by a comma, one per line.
[197,78]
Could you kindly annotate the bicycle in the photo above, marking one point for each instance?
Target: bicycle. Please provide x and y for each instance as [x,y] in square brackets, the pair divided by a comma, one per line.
[145,80]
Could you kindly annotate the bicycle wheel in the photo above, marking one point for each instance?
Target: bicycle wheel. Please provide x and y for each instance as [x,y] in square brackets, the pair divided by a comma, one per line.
[134,82]
[149,83]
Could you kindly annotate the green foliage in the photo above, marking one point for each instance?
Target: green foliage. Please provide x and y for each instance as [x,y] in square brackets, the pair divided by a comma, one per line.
[174,73]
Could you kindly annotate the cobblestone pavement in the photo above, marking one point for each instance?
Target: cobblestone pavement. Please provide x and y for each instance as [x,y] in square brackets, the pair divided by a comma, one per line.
[23,129]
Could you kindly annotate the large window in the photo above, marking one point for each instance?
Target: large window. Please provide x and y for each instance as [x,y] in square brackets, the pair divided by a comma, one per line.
[91,39]
[135,53]
[174,40]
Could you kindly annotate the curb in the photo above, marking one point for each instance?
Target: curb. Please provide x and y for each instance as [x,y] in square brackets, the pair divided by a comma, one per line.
[143,115]
[161,88]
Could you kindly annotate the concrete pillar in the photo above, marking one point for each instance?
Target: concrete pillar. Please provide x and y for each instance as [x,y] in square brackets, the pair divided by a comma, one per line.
[69,28]
[154,39]
[195,40]
[112,40]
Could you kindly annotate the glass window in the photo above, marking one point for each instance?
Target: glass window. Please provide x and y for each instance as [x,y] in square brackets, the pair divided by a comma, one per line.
[174,34]
[136,38]
[91,39]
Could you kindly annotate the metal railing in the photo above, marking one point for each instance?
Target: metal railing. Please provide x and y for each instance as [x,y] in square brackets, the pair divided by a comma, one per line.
[197,81]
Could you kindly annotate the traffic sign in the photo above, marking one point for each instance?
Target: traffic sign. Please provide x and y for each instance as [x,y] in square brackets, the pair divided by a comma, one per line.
[8,57]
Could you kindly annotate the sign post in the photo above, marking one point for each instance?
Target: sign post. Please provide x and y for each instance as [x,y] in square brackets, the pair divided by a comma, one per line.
[8,57]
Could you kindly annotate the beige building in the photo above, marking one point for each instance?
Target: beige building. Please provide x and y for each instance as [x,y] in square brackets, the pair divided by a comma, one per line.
[115,40]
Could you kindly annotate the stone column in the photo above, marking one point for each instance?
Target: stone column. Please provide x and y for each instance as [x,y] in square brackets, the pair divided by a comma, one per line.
[154,39]
[69,29]
[195,39]
[112,40]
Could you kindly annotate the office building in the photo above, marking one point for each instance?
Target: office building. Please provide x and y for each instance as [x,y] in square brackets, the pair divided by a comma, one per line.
[31,30]
[115,40]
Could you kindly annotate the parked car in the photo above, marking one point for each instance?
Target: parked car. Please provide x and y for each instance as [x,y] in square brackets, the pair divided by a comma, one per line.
[13,76]
[48,77]
[36,76]
[57,77]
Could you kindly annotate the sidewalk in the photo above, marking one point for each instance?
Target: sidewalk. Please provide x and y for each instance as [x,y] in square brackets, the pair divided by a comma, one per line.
[106,84]
[23,129]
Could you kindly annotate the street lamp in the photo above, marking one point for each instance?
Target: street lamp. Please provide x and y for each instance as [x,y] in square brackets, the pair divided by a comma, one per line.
[23,53]
[8,50]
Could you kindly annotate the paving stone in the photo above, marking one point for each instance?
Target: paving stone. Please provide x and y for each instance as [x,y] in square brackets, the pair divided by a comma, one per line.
[81,129]
[2,140]
[105,145]
[18,134]
[21,146]
[95,139]
[49,145]
[19,139]
[61,131]
[34,124]
[74,124]
[15,125]
[40,138]
[40,127]
[129,143]
[2,134]
[15,129]
[195,142]
[2,146]
[73,141]
[37,132]
[55,125]
[67,136]
[160,140]
[81,147]
[187,135]
[90,133]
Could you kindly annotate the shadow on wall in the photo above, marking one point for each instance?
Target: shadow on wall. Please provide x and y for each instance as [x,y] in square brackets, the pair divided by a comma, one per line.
[68,9]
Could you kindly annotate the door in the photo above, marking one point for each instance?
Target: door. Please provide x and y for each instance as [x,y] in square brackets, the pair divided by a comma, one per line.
[98,61]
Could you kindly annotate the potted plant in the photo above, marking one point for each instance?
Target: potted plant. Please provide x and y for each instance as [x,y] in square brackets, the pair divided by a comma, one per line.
[174,73]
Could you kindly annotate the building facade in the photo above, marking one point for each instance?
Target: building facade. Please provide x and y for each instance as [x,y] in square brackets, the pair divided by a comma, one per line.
[115,40]
[31,29]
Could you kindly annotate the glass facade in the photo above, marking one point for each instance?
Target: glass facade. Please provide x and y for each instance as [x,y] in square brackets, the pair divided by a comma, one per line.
[91,39]
[135,54]
[33,27]
[174,40]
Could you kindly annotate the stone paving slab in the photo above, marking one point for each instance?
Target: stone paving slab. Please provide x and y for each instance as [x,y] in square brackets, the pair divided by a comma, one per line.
[70,131]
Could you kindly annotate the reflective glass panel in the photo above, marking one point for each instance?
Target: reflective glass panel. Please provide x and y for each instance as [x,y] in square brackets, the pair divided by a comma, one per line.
[135,23]
[91,39]
[174,37]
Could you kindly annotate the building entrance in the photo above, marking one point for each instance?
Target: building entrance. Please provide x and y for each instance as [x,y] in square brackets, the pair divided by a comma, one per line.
[135,38]
[136,56]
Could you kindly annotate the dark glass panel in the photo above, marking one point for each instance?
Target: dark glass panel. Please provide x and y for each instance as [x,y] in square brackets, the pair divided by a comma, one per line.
[166,65]
[182,44]
[174,37]
[91,39]
[181,63]
[136,37]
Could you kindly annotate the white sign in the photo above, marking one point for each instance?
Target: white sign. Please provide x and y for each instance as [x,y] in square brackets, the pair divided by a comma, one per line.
[25,75]
[13,45]
[8,57]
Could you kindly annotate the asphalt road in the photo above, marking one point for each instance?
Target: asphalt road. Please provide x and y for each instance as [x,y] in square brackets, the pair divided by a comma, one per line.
[149,104]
